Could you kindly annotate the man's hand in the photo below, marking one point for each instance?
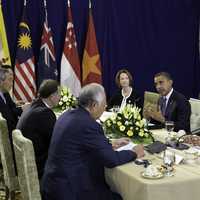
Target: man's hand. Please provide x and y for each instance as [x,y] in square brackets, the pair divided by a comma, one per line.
[116,143]
[151,112]
[139,150]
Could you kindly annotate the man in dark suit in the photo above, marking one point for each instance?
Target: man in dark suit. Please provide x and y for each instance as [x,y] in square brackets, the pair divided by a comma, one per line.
[79,151]
[172,105]
[8,108]
[37,122]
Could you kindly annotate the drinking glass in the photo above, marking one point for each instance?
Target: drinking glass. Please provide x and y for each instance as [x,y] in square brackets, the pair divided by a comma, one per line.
[168,161]
[169,126]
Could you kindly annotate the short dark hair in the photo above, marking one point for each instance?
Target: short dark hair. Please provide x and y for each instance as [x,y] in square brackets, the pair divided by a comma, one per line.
[117,77]
[47,88]
[165,74]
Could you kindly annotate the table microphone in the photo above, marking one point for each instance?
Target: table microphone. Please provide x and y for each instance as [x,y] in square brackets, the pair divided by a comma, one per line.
[177,144]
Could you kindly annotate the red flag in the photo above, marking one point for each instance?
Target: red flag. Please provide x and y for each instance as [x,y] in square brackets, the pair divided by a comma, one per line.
[24,76]
[91,66]
[70,64]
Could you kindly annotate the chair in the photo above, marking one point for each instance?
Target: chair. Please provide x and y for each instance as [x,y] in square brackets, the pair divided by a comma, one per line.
[195,115]
[7,160]
[26,167]
[150,98]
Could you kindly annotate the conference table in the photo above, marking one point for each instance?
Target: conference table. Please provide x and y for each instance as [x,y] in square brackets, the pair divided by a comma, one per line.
[127,180]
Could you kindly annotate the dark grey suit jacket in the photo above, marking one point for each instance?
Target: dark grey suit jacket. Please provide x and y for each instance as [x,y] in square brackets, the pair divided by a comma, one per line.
[37,123]
[178,110]
[78,153]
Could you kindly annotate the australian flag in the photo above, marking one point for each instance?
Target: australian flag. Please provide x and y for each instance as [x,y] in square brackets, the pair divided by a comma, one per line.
[47,67]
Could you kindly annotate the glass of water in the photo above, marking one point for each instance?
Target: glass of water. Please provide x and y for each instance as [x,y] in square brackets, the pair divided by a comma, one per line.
[169,126]
[168,161]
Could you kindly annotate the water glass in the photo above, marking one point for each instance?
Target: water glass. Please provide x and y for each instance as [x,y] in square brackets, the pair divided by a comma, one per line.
[169,126]
[168,161]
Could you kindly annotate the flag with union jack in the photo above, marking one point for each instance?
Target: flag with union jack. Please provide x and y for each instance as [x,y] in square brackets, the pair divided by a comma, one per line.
[47,67]
[24,72]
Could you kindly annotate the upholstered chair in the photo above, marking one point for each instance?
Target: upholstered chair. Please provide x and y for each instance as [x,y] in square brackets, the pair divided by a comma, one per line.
[26,167]
[7,160]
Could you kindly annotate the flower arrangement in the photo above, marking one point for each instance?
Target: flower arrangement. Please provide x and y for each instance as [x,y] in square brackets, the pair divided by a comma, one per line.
[127,123]
[67,100]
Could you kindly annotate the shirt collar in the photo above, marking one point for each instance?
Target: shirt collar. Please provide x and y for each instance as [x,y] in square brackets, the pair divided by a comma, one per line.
[168,95]
[45,104]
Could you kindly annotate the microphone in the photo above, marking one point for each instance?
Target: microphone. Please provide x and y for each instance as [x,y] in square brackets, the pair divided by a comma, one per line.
[177,144]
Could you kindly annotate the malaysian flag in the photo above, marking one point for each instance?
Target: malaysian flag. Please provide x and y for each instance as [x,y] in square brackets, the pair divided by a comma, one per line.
[47,67]
[70,64]
[24,72]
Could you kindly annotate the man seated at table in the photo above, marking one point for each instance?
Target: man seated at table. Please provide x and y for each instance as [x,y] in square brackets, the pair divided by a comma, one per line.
[8,108]
[37,122]
[79,151]
[172,105]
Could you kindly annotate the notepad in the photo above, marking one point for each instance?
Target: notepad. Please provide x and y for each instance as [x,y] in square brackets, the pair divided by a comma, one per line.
[128,146]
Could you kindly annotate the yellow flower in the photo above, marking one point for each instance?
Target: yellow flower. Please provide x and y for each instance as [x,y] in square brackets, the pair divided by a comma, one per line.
[108,123]
[119,123]
[130,133]
[141,133]
[122,128]
[65,99]
[137,124]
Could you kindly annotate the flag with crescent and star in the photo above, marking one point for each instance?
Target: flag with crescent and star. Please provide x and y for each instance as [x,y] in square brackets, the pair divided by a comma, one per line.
[70,75]
[47,67]
[91,64]
[24,72]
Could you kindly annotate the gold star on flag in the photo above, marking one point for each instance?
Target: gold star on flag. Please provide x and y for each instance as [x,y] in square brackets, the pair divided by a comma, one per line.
[89,65]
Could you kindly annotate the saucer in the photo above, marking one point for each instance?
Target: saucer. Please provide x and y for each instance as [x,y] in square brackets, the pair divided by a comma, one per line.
[157,176]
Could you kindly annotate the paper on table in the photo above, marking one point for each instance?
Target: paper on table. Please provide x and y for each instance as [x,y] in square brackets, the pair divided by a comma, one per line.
[128,146]
[178,159]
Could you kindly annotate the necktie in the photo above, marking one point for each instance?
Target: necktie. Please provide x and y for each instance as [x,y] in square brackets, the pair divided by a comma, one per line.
[163,105]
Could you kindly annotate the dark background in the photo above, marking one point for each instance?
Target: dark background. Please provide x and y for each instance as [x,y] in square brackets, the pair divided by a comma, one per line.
[145,36]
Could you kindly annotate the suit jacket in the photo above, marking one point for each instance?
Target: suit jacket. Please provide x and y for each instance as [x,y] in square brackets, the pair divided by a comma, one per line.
[10,112]
[37,123]
[178,110]
[116,100]
[78,153]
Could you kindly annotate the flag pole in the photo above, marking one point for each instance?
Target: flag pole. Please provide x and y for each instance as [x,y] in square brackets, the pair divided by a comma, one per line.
[24,2]
[68,2]
[45,8]
[90,5]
